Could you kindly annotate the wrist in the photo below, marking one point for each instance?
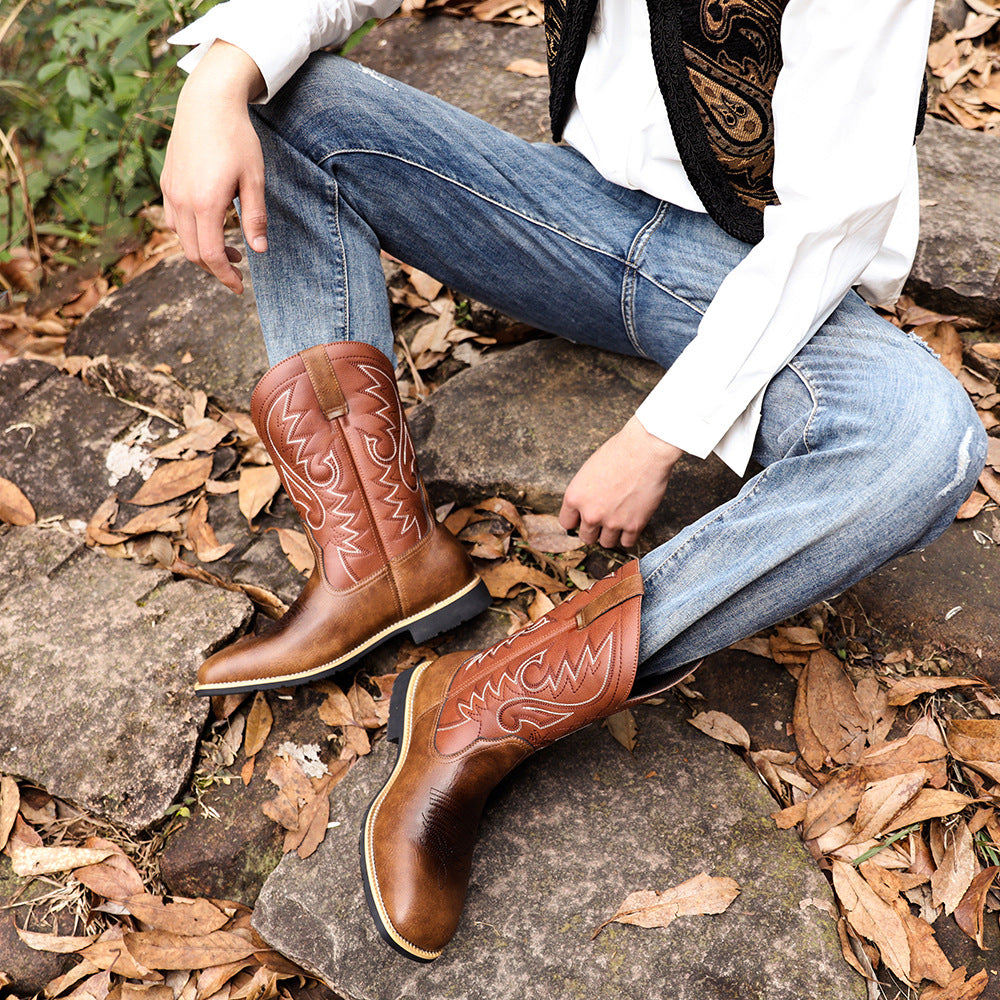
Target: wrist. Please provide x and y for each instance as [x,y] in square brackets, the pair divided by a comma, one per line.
[226,73]
[658,449]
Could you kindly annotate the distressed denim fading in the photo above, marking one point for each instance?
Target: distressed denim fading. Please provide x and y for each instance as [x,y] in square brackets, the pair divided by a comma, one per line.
[867,445]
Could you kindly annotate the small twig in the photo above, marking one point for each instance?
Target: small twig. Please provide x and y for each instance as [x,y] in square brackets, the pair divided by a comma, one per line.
[138,406]
[11,18]
[12,148]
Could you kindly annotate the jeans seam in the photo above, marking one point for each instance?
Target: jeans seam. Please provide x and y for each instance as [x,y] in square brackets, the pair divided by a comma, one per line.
[343,260]
[632,270]
[814,396]
[478,194]
[506,208]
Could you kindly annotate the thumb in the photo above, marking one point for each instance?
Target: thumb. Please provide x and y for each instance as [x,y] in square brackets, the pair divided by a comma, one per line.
[253,214]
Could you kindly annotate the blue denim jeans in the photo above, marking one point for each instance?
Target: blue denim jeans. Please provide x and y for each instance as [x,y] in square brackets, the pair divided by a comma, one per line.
[868,446]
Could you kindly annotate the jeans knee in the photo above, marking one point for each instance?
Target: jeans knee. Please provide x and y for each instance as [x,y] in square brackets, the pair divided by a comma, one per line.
[946,462]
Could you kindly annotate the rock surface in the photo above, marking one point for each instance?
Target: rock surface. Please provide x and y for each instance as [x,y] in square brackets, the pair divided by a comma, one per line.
[564,840]
[103,652]
[229,847]
[178,315]
[946,597]
[29,970]
[55,436]
[957,266]
[464,62]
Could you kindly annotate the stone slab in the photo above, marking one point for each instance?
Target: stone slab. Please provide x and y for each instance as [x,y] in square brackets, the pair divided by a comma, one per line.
[957,267]
[523,422]
[174,310]
[564,840]
[227,849]
[912,600]
[757,692]
[54,439]
[463,62]
[97,658]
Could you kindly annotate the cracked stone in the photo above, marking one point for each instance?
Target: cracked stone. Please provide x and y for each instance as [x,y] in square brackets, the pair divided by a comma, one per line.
[119,645]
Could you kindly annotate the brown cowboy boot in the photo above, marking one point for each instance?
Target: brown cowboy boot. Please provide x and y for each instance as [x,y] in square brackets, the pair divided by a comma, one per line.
[331,420]
[462,723]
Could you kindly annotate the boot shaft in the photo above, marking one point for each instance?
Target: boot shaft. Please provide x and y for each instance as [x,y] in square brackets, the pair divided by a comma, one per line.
[331,419]
[571,667]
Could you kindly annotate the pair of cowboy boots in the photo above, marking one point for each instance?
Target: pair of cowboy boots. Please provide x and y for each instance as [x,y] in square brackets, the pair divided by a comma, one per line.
[331,419]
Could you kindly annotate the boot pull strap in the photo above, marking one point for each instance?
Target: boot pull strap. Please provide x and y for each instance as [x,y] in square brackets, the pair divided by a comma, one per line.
[626,588]
[319,368]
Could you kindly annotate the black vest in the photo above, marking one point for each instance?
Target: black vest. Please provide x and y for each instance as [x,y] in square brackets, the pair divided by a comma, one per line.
[716,62]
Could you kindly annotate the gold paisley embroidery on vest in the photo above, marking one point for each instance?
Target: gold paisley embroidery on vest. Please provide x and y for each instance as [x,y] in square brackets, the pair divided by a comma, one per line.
[733,67]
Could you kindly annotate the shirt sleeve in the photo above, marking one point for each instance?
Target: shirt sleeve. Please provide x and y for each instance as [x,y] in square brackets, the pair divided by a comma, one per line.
[845,108]
[279,42]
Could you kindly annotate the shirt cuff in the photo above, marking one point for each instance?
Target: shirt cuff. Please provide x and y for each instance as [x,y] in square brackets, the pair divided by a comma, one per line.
[279,46]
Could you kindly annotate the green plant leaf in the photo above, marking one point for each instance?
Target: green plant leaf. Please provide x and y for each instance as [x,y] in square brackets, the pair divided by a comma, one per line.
[78,84]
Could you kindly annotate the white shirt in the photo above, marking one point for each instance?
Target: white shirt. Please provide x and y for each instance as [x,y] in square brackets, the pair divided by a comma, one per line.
[845,173]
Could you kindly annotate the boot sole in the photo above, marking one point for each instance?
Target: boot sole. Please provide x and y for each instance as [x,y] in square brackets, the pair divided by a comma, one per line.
[398,733]
[441,617]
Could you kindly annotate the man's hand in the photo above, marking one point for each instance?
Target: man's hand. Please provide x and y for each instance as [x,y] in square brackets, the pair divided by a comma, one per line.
[619,487]
[213,156]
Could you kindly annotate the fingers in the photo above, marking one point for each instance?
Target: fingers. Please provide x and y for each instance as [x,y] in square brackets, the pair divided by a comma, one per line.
[210,251]
[253,213]
[595,532]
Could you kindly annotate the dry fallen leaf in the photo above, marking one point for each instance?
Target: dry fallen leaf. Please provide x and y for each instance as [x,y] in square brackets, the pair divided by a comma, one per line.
[832,803]
[114,878]
[881,803]
[544,533]
[528,67]
[162,517]
[503,577]
[205,435]
[972,506]
[957,869]
[975,739]
[969,912]
[15,507]
[110,953]
[176,915]
[958,988]
[258,484]
[296,546]
[259,721]
[623,728]
[58,944]
[10,802]
[173,479]
[902,692]
[834,714]
[202,536]
[929,804]
[872,917]
[336,710]
[702,894]
[165,951]
[31,861]
[721,727]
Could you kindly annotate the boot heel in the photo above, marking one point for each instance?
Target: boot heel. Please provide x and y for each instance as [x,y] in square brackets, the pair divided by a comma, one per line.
[397,706]
[452,615]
